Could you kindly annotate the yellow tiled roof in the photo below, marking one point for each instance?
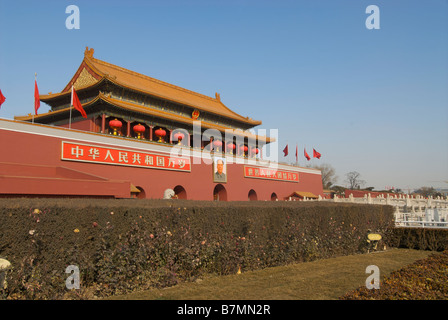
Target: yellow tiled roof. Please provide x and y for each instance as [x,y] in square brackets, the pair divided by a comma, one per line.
[304,194]
[148,85]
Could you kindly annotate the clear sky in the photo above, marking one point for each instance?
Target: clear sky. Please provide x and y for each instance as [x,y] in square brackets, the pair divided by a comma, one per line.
[373,101]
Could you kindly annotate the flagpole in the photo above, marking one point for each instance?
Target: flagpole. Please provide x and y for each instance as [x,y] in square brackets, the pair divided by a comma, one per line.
[313,162]
[70,120]
[304,150]
[297,154]
[35,79]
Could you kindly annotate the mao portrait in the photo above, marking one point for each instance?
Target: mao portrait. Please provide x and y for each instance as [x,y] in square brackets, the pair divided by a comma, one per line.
[219,170]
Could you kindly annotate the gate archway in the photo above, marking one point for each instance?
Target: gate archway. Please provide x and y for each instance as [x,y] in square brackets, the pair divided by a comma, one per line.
[252,195]
[180,192]
[219,193]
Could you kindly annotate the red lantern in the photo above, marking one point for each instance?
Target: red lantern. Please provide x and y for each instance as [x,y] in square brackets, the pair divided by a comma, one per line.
[255,150]
[179,136]
[115,125]
[139,129]
[244,149]
[217,144]
[160,133]
[231,147]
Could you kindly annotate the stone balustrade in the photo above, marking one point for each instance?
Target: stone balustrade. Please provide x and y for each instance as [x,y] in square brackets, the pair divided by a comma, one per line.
[410,211]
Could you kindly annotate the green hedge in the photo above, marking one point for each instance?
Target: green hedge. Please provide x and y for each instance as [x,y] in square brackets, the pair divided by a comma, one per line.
[420,238]
[125,245]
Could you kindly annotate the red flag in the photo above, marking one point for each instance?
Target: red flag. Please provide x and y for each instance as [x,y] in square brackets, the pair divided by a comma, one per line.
[285,151]
[2,98]
[306,155]
[297,153]
[77,104]
[36,97]
[316,154]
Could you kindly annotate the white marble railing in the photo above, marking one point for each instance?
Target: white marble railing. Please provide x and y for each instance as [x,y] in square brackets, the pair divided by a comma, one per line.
[410,211]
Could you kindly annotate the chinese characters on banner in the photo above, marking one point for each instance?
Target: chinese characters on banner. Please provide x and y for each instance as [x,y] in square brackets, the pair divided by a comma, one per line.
[113,156]
[273,174]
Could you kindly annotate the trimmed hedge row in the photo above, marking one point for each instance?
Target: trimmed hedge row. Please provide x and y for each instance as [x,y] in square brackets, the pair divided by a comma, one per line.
[420,238]
[125,245]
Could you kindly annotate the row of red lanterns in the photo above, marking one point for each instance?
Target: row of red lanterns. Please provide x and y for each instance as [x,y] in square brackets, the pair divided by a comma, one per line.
[161,133]
[139,129]
[179,136]
[231,147]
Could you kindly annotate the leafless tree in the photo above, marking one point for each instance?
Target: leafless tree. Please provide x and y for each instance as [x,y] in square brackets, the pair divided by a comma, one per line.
[354,180]
[329,177]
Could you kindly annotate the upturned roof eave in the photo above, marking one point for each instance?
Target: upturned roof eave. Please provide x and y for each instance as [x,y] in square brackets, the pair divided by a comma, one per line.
[90,61]
[145,111]
[55,96]
[52,113]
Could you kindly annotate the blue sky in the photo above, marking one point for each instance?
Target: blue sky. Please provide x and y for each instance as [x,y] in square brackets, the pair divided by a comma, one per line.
[372,101]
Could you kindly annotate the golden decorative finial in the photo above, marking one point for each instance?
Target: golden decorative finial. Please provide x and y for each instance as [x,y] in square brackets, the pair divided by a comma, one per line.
[89,52]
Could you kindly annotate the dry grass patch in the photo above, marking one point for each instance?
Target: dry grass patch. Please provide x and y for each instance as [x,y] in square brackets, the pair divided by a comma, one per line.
[317,280]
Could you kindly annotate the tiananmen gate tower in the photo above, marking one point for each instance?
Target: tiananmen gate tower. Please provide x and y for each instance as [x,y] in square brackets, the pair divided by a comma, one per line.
[141,138]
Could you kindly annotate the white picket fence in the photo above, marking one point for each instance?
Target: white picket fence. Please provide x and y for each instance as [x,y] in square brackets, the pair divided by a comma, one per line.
[410,211]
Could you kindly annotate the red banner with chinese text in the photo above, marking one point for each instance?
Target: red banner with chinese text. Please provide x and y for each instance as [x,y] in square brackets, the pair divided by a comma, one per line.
[272,174]
[122,157]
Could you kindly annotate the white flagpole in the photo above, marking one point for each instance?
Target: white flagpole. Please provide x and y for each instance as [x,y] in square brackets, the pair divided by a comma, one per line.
[312,160]
[304,149]
[297,155]
[71,103]
[35,79]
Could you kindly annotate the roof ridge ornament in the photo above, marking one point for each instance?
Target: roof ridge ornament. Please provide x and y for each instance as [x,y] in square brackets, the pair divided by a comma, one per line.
[217,96]
[88,53]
